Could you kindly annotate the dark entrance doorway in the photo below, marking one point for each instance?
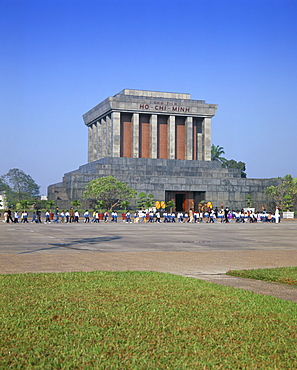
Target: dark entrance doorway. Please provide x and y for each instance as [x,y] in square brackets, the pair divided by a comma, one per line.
[179,201]
[185,200]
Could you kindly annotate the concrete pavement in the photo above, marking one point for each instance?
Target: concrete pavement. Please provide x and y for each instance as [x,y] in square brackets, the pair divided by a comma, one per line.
[204,251]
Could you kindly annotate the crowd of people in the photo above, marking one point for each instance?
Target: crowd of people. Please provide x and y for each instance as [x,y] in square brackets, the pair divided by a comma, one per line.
[208,216]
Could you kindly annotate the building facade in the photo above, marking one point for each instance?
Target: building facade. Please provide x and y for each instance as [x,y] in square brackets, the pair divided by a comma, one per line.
[3,203]
[150,124]
[159,143]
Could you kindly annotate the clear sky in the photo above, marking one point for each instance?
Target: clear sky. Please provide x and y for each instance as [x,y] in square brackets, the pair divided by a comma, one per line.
[59,58]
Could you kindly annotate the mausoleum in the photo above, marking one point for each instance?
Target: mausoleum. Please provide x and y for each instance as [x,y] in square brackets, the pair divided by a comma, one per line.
[159,143]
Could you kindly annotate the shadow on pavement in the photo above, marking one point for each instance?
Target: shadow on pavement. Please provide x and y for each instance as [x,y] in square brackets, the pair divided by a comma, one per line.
[84,244]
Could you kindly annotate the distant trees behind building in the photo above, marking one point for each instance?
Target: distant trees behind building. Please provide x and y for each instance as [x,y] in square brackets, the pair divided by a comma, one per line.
[17,186]
[217,155]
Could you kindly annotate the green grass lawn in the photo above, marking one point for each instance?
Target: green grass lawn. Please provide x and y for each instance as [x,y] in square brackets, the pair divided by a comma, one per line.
[283,275]
[141,320]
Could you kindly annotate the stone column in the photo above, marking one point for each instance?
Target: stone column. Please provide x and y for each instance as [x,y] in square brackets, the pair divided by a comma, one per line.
[99,140]
[103,140]
[135,137]
[171,137]
[189,138]
[200,147]
[116,134]
[108,127]
[90,144]
[95,142]
[153,136]
[206,131]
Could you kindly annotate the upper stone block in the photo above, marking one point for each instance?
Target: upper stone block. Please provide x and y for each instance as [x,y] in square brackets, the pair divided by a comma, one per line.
[154,94]
[150,102]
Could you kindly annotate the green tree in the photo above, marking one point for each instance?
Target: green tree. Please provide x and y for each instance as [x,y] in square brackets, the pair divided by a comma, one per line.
[248,200]
[145,201]
[125,204]
[39,204]
[76,203]
[101,204]
[50,203]
[150,201]
[141,198]
[216,153]
[21,185]
[285,194]
[287,203]
[110,190]
[24,204]
[234,164]
[170,204]
[3,186]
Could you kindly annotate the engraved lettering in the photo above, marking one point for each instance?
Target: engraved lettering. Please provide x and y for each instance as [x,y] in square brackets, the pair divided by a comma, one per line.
[165,106]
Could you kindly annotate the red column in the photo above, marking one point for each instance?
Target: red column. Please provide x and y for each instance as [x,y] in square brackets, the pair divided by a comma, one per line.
[180,138]
[162,129]
[144,136]
[126,135]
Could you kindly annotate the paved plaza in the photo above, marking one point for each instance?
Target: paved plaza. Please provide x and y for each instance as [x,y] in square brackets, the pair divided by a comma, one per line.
[204,251]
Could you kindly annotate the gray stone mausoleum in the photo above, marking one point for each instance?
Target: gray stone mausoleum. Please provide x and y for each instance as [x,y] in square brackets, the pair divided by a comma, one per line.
[159,143]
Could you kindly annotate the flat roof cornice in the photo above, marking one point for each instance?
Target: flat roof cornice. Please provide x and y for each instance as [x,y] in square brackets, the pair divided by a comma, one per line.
[150,102]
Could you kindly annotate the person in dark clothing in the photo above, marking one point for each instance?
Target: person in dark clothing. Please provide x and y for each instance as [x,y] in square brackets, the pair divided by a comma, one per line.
[56,220]
[226,214]
[9,218]
[38,215]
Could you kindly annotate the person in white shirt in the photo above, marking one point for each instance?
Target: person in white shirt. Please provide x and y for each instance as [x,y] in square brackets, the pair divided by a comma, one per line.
[67,216]
[276,215]
[16,217]
[86,216]
[76,216]
[158,217]
[62,217]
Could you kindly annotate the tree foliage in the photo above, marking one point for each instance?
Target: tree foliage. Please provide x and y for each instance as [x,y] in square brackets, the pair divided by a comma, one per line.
[3,186]
[145,201]
[248,200]
[285,194]
[76,203]
[17,186]
[216,153]
[234,164]
[170,204]
[110,190]
[21,184]
[100,203]
[125,204]
[39,204]
[287,203]
[50,203]
[23,204]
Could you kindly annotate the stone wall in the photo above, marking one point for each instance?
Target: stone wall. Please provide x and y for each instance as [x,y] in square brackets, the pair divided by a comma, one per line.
[157,176]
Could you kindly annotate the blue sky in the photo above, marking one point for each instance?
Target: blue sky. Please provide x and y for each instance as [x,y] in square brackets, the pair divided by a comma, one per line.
[58,59]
